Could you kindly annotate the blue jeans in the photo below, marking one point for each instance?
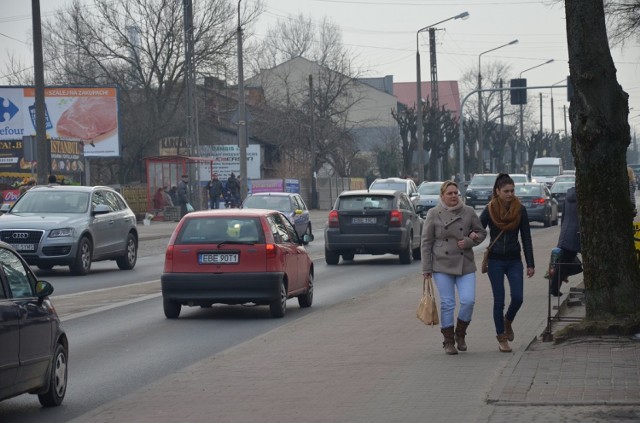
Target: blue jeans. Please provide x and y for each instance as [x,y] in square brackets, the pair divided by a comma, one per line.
[446,285]
[514,272]
[214,203]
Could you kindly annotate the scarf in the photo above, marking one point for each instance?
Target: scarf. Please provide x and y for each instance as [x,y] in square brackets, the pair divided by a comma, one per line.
[505,218]
[451,209]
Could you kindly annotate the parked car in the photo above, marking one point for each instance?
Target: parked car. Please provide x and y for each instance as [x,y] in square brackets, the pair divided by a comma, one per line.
[291,204]
[536,198]
[559,192]
[63,225]
[33,346]
[398,184]
[480,189]
[372,222]
[236,256]
[429,196]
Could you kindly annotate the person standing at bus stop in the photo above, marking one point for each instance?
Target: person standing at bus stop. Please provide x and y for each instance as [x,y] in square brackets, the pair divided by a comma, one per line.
[183,194]
[215,191]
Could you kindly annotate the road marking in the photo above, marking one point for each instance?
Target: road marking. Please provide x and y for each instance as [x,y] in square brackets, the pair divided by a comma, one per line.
[109,307]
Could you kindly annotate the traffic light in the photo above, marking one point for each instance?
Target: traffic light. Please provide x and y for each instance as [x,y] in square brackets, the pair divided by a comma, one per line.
[519,96]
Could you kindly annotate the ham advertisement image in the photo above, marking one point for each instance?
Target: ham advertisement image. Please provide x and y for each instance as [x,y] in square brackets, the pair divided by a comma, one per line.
[85,114]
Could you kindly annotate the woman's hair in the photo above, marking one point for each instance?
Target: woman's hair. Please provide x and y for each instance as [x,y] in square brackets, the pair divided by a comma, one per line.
[447,184]
[630,174]
[501,180]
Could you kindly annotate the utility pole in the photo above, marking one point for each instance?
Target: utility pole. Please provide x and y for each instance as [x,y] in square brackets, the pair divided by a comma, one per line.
[314,186]
[190,81]
[43,157]
[435,105]
[242,115]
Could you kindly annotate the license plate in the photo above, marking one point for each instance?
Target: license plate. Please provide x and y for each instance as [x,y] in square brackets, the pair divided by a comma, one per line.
[364,221]
[218,258]
[526,204]
[24,247]
[483,197]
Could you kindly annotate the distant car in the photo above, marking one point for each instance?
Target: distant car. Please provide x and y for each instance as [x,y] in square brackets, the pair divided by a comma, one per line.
[33,346]
[565,178]
[480,189]
[636,171]
[429,196]
[559,192]
[236,256]
[519,177]
[398,184]
[568,172]
[291,204]
[63,225]
[536,198]
[372,222]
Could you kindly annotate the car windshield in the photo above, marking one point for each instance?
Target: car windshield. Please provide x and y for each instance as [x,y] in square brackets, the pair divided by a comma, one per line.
[483,180]
[214,230]
[545,170]
[365,202]
[429,189]
[52,201]
[396,186]
[528,191]
[519,178]
[561,187]
[271,202]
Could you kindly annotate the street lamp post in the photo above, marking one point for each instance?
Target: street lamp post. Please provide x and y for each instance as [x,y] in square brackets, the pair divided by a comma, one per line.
[553,124]
[521,108]
[480,144]
[419,134]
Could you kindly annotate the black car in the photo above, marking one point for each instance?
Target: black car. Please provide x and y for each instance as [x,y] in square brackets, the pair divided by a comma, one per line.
[33,346]
[559,192]
[536,198]
[480,189]
[373,222]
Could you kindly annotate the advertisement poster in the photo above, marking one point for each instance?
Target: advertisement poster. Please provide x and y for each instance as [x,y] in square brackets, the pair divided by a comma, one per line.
[227,159]
[85,114]
[266,185]
[67,158]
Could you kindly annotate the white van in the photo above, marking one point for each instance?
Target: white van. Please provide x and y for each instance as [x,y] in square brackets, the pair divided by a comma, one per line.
[545,169]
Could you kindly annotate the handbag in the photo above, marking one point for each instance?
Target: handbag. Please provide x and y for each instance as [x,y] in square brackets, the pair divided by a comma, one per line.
[428,309]
[484,268]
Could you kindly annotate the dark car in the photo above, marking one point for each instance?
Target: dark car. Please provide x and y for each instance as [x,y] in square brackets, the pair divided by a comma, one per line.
[33,345]
[63,225]
[236,256]
[536,198]
[291,204]
[559,192]
[372,222]
[479,190]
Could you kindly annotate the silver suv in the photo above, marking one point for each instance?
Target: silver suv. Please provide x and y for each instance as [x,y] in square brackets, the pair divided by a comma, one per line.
[59,225]
[398,184]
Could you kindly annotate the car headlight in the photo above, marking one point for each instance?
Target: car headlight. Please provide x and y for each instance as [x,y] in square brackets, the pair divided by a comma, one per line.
[60,233]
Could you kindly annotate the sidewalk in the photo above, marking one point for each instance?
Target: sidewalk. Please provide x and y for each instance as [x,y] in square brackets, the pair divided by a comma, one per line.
[368,359]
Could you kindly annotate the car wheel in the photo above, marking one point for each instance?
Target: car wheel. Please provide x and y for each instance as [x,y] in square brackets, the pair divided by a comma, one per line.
[348,256]
[57,379]
[278,307]
[406,255]
[171,308]
[547,221]
[305,300]
[45,266]
[331,257]
[82,264]
[128,260]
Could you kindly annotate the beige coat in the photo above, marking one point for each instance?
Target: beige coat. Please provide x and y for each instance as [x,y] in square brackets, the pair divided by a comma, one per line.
[440,235]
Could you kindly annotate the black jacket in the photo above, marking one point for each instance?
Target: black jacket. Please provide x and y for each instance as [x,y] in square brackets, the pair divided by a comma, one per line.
[570,232]
[508,246]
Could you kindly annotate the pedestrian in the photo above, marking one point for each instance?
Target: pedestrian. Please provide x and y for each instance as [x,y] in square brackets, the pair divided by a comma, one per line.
[158,200]
[449,234]
[632,188]
[233,186]
[173,193]
[168,201]
[52,179]
[506,218]
[183,194]
[569,244]
[214,188]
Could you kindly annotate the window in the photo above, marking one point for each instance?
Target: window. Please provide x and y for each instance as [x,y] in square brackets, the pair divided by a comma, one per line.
[111,199]
[284,230]
[17,275]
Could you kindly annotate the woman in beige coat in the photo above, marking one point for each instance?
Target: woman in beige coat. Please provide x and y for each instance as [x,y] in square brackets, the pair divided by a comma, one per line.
[448,237]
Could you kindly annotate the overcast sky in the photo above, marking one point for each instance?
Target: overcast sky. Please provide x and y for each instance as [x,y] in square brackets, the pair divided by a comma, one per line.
[382,36]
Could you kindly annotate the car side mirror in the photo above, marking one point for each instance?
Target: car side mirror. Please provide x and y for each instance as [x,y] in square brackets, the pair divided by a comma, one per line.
[43,290]
[101,209]
[307,238]
[4,208]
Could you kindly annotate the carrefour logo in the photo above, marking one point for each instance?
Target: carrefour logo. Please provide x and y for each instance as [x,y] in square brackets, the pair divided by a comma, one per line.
[7,108]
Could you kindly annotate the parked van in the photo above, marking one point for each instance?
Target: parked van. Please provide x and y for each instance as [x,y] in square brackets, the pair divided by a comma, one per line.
[545,169]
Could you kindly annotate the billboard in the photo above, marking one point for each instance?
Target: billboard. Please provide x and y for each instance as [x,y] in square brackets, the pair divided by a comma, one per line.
[86,114]
[226,159]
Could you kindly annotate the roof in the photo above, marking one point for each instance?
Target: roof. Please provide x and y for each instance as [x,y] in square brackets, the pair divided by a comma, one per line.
[448,94]
[230,213]
[369,192]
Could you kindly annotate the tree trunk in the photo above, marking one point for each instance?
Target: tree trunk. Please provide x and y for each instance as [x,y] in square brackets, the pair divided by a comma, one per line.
[600,129]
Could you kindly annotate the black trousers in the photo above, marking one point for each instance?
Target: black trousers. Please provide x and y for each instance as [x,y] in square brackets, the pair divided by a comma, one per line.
[568,265]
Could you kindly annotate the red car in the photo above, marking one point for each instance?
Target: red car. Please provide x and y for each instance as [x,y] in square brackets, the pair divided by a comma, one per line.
[236,256]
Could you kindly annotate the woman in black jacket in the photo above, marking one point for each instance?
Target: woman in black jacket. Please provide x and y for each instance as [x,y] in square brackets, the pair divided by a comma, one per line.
[506,218]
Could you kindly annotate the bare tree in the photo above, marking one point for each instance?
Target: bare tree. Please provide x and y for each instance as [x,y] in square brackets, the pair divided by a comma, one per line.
[623,18]
[599,120]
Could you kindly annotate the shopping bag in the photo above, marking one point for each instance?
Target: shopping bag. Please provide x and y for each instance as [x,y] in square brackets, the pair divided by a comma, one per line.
[428,309]
[190,208]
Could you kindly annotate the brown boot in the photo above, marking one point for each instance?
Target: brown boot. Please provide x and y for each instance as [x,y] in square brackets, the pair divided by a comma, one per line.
[449,342]
[461,331]
[503,343]
[508,330]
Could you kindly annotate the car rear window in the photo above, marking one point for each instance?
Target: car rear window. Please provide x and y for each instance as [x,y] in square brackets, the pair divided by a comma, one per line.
[395,186]
[279,202]
[483,180]
[528,190]
[213,230]
[365,202]
[429,189]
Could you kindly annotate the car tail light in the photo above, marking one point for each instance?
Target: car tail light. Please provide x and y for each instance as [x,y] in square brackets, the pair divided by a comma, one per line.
[334,220]
[271,250]
[395,218]
[168,259]
[538,201]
